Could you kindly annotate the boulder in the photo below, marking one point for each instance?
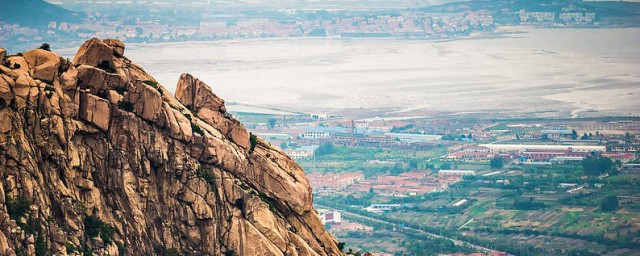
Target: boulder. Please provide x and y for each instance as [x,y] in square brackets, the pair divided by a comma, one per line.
[22,88]
[239,135]
[43,64]
[6,95]
[3,53]
[94,53]
[97,79]
[116,45]
[150,102]
[18,63]
[178,125]
[69,78]
[195,94]
[147,101]
[198,97]
[5,121]
[114,97]
[94,110]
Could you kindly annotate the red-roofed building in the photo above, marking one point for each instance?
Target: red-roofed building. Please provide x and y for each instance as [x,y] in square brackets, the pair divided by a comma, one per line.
[622,157]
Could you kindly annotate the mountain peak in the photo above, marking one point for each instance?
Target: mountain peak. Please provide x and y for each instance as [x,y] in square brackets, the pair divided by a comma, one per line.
[97,156]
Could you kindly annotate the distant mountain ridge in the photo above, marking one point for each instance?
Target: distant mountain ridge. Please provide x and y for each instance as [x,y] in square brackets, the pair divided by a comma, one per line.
[36,13]
[607,8]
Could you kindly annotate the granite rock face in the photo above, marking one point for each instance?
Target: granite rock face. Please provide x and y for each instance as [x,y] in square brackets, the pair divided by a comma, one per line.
[96,156]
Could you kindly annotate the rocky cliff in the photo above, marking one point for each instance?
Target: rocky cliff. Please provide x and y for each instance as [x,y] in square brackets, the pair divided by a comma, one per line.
[97,157]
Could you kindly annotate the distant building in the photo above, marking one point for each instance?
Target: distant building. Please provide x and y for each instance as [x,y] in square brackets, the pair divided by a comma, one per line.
[381,207]
[457,172]
[274,136]
[413,138]
[473,153]
[623,147]
[536,147]
[377,140]
[525,16]
[631,168]
[566,159]
[346,138]
[330,217]
[318,116]
[303,152]
[379,127]
[579,17]
[556,134]
[314,135]
[622,157]
[550,154]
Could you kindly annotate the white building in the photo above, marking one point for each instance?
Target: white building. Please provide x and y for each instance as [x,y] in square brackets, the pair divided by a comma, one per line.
[457,172]
[274,136]
[540,147]
[319,116]
[330,216]
[303,152]
[537,16]
[382,207]
[312,135]
[412,138]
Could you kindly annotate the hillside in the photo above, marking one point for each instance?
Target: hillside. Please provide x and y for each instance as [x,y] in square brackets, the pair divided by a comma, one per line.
[505,11]
[97,157]
[21,12]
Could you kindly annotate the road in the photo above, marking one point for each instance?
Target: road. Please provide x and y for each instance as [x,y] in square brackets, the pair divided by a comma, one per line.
[455,241]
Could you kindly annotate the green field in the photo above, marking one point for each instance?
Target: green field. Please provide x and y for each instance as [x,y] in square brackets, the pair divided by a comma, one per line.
[532,214]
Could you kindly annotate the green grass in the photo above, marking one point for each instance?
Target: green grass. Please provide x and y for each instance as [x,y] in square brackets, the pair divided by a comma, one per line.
[153,84]
[478,209]
[250,118]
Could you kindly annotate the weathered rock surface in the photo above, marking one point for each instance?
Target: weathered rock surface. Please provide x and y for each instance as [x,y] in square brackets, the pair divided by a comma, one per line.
[3,53]
[198,97]
[94,53]
[116,45]
[97,157]
[43,64]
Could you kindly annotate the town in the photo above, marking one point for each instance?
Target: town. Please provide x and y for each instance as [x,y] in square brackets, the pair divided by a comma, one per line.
[203,20]
[496,176]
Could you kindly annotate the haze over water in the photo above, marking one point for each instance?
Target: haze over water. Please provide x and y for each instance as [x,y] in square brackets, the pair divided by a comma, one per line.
[543,72]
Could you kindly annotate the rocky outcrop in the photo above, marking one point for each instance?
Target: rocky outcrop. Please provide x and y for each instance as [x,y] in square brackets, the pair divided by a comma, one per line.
[116,45]
[43,64]
[3,53]
[198,97]
[97,157]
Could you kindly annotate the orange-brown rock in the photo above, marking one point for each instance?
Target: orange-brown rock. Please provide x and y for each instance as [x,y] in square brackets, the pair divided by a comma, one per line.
[94,53]
[95,110]
[43,64]
[3,53]
[103,159]
[98,80]
[116,45]
[6,95]
[198,97]
[146,100]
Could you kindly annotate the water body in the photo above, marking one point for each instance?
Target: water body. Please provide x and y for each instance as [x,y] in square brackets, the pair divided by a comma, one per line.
[541,72]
